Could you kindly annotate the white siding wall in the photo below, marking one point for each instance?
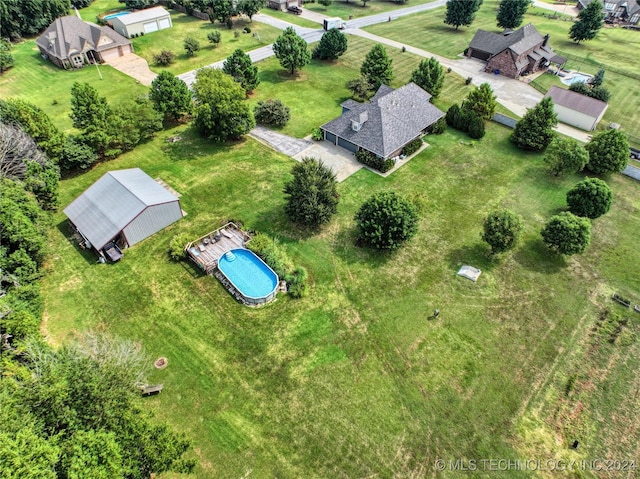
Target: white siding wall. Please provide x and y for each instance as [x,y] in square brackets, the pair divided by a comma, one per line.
[575,118]
[152,220]
[130,30]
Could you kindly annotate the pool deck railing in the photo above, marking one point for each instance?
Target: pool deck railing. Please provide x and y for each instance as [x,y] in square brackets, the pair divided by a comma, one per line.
[208,249]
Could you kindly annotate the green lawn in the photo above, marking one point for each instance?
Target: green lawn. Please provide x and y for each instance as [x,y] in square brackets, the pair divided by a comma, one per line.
[613,47]
[42,83]
[97,7]
[290,17]
[356,9]
[353,380]
[314,94]
[184,26]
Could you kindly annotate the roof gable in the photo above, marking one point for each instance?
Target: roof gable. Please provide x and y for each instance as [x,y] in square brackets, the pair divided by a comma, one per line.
[112,202]
[70,34]
[576,101]
[520,41]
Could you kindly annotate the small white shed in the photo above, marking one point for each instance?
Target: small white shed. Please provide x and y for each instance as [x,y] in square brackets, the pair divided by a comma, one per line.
[576,109]
[142,22]
[124,206]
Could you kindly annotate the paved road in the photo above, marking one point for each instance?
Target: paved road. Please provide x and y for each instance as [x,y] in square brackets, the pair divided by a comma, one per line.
[384,17]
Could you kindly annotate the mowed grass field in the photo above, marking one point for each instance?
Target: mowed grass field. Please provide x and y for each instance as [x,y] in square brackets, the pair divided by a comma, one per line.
[354,380]
[612,46]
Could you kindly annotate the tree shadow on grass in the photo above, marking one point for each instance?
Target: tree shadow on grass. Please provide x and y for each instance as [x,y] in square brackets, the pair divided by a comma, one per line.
[351,251]
[191,146]
[274,222]
[477,255]
[66,230]
[534,255]
[191,268]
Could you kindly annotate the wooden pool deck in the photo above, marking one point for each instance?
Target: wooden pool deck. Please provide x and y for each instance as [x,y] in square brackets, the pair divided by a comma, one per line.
[207,250]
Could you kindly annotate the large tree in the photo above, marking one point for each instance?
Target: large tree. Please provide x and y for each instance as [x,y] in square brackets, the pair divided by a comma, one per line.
[590,198]
[535,130]
[251,7]
[170,96]
[291,50]
[376,68]
[221,10]
[429,76]
[6,59]
[482,101]
[386,221]
[566,233]
[608,152]
[242,69]
[312,194]
[20,18]
[590,21]
[332,45]
[501,230]
[221,110]
[88,108]
[138,4]
[511,12]
[361,89]
[82,400]
[35,123]
[461,12]
[565,155]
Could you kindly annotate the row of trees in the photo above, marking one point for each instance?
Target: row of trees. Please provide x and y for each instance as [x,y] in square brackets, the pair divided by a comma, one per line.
[606,152]
[479,106]
[384,221]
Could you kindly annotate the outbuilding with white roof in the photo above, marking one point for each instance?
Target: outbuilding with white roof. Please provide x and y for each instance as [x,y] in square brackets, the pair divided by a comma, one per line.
[142,21]
[124,207]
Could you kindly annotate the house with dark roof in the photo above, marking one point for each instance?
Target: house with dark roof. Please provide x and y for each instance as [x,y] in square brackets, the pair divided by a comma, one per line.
[122,207]
[576,109]
[623,12]
[144,21]
[386,123]
[70,42]
[514,53]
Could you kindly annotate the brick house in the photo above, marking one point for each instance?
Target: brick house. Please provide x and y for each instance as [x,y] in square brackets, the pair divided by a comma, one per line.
[514,53]
[623,12]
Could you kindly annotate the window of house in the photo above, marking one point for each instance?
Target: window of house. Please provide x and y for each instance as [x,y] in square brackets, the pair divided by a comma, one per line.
[609,6]
[634,18]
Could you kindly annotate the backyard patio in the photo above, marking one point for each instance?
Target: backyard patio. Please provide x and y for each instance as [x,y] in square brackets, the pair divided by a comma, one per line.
[207,250]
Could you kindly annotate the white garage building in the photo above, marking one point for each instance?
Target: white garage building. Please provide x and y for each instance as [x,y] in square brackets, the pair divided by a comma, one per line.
[142,22]
[124,207]
[576,109]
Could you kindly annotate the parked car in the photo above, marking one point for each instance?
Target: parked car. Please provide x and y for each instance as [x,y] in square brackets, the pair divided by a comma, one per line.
[634,154]
[295,9]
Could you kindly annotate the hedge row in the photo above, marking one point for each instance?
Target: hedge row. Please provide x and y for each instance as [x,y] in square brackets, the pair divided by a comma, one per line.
[374,161]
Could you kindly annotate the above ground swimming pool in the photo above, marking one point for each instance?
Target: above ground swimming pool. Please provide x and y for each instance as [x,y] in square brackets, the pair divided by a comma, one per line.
[249,275]
[117,14]
[575,78]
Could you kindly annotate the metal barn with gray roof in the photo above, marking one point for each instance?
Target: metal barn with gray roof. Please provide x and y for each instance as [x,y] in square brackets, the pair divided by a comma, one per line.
[386,123]
[123,206]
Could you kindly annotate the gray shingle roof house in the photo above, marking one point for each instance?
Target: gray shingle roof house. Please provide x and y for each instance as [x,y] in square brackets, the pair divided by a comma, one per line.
[125,206]
[625,12]
[576,109]
[70,42]
[143,21]
[386,123]
[513,53]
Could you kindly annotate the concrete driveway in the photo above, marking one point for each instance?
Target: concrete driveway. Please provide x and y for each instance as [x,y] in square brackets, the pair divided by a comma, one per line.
[134,66]
[342,162]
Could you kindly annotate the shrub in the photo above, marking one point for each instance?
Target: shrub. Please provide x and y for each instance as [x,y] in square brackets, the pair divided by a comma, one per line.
[297,282]
[411,147]
[439,127]
[236,34]
[271,112]
[386,220]
[272,253]
[590,198]
[374,161]
[191,45]
[317,134]
[468,80]
[164,58]
[214,37]
[246,30]
[176,246]
[229,24]
[476,126]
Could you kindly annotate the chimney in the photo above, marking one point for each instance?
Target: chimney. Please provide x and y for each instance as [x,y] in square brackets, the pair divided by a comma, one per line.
[546,39]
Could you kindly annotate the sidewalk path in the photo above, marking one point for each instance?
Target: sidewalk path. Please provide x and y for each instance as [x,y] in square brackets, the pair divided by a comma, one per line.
[283,143]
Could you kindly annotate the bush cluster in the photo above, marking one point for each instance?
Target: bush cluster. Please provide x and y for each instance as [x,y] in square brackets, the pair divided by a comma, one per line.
[164,58]
[411,147]
[439,127]
[374,161]
[272,112]
[176,246]
[276,257]
[465,120]
[597,92]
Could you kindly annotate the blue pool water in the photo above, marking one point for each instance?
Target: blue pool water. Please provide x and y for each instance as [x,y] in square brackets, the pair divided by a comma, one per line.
[117,14]
[575,78]
[248,273]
